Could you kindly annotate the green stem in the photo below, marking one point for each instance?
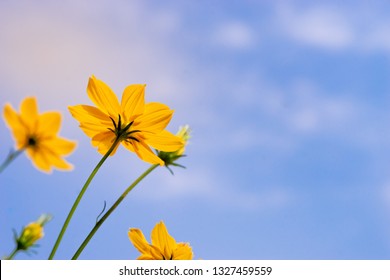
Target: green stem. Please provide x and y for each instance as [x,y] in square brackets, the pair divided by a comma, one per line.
[113,207]
[11,156]
[12,255]
[76,203]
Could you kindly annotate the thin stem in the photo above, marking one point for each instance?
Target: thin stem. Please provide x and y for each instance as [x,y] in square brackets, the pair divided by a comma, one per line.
[113,207]
[11,156]
[12,255]
[77,201]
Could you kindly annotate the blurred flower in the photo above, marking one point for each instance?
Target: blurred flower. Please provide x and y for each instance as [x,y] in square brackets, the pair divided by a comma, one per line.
[163,247]
[30,235]
[37,134]
[136,124]
[169,158]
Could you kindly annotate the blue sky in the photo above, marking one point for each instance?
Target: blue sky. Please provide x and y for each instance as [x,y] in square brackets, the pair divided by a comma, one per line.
[289,106]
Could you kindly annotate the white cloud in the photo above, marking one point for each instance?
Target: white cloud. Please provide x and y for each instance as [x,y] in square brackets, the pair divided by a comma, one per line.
[377,37]
[322,27]
[52,55]
[196,182]
[309,110]
[273,199]
[301,107]
[202,183]
[362,28]
[234,35]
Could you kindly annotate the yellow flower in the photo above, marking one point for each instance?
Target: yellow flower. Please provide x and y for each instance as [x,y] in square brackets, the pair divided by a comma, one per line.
[137,125]
[37,134]
[163,247]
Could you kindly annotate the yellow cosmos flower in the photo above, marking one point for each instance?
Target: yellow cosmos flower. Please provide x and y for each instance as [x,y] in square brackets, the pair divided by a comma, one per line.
[137,125]
[37,134]
[163,247]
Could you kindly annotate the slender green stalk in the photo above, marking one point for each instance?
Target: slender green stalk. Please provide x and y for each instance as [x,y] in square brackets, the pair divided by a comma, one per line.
[77,201]
[12,255]
[11,156]
[113,207]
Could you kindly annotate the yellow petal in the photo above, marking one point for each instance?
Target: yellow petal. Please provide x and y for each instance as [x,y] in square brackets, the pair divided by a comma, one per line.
[45,157]
[103,97]
[17,128]
[48,124]
[29,113]
[90,114]
[133,102]
[155,118]
[143,151]
[92,129]
[62,164]
[157,253]
[183,252]
[165,141]
[162,239]
[59,163]
[60,145]
[92,120]
[39,160]
[103,141]
[146,257]
[139,241]
[11,117]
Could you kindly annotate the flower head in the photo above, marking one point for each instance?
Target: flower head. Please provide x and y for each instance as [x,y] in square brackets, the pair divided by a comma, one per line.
[163,247]
[137,125]
[31,233]
[37,134]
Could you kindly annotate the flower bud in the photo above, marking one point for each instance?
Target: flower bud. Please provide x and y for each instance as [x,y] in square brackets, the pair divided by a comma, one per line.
[184,134]
[32,233]
[169,158]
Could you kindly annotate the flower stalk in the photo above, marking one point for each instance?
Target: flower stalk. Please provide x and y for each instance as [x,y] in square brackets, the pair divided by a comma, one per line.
[113,207]
[10,158]
[169,158]
[77,201]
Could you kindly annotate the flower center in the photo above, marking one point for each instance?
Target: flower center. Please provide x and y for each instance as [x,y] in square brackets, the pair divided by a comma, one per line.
[123,132]
[32,141]
[171,258]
